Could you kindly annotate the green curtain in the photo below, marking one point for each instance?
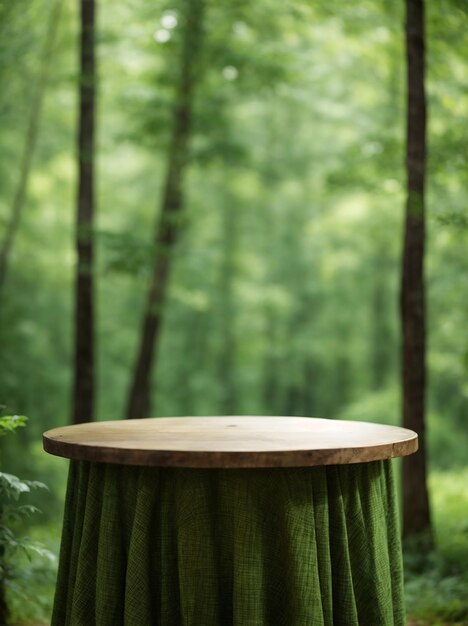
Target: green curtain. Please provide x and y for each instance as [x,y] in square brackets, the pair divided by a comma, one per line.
[145,546]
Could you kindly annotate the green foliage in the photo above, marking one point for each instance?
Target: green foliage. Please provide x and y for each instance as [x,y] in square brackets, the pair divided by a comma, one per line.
[12,487]
[9,423]
[448,604]
[13,546]
[299,134]
[33,603]
[125,253]
[436,583]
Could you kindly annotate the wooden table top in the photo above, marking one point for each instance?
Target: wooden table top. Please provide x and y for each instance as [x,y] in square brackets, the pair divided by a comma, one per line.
[230,442]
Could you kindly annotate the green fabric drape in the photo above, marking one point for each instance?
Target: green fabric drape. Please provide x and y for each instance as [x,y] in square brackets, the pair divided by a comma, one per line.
[146,546]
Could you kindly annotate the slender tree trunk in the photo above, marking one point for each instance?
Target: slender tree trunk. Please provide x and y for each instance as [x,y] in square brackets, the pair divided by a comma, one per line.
[416,517]
[32,129]
[169,223]
[83,394]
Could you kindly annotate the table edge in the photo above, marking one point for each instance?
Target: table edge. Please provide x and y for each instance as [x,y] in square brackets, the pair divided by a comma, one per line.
[230,459]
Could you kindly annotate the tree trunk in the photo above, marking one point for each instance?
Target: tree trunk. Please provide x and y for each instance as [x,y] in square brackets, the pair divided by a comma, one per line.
[416,516]
[83,394]
[32,129]
[168,225]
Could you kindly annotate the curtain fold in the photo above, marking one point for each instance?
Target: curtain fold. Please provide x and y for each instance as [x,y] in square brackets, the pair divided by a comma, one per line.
[148,546]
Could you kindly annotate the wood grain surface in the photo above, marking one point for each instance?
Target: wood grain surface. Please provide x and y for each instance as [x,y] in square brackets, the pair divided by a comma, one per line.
[230,442]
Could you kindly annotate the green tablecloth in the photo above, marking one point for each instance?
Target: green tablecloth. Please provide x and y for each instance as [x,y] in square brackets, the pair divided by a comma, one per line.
[259,547]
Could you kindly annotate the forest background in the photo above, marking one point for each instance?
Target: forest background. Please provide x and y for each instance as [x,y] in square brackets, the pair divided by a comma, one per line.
[283,291]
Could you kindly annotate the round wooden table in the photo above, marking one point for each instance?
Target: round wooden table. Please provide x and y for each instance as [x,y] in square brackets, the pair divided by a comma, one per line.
[233,520]
[230,442]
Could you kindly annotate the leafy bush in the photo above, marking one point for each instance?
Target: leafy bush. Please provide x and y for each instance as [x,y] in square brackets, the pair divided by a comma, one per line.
[14,548]
[433,595]
[437,582]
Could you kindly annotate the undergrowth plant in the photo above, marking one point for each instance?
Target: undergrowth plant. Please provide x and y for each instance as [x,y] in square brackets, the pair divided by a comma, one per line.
[13,512]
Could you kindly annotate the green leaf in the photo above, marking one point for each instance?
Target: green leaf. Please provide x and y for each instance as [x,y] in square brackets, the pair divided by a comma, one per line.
[15,513]
[8,538]
[9,423]
[12,486]
[36,484]
[39,550]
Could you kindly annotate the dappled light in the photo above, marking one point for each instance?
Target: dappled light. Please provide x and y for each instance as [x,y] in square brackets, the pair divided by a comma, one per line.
[208,213]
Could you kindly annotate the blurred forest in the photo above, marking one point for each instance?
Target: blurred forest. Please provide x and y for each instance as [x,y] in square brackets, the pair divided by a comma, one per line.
[282,297]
